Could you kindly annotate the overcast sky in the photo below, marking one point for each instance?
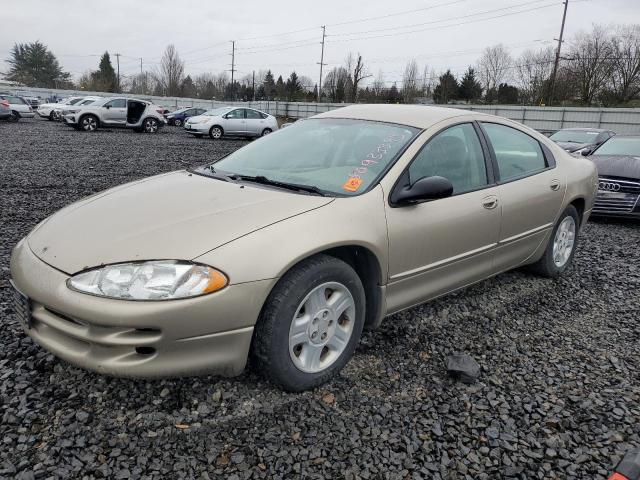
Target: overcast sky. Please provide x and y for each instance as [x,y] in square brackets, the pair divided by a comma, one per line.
[285,35]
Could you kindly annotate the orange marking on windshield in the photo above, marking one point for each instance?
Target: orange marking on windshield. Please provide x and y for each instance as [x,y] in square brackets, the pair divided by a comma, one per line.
[352,184]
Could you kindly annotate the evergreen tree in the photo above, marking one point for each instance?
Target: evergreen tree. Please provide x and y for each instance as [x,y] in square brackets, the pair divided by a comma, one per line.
[447,88]
[269,86]
[32,64]
[507,94]
[470,88]
[105,79]
[393,95]
[188,88]
[280,89]
[293,86]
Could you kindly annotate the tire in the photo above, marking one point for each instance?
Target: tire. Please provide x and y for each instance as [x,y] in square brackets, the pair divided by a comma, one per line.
[50,116]
[15,116]
[177,122]
[561,247]
[285,356]
[266,131]
[150,125]
[216,132]
[88,123]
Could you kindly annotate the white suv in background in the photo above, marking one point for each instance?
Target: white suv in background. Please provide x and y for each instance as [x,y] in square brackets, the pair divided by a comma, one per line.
[60,110]
[119,112]
[46,109]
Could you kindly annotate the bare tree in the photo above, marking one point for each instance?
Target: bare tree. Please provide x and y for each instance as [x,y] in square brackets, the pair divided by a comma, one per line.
[378,84]
[142,84]
[359,73]
[410,87]
[428,81]
[589,63]
[532,72]
[625,53]
[493,66]
[171,71]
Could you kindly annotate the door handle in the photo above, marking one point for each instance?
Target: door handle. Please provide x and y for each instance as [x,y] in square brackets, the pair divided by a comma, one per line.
[490,202]
[554,185]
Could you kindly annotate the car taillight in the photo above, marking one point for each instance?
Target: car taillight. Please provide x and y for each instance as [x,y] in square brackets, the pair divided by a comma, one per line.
[4,103]
[159,110]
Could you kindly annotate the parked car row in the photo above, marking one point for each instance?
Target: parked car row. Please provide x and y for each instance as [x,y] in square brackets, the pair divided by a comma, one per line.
[617,158]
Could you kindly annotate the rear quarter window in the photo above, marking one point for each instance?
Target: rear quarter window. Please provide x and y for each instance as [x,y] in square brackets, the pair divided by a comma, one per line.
[517,154]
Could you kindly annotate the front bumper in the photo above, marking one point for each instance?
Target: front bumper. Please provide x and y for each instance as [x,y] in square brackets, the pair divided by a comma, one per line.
[69,119]
[197,128]
[208,334]
[622,200]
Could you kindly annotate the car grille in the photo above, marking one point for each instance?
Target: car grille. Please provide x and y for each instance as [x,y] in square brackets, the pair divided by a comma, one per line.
[616,196]
[22,306]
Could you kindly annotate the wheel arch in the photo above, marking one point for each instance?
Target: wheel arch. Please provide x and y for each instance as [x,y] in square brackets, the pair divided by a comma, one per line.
[214,126]
[89,114]
[579,203]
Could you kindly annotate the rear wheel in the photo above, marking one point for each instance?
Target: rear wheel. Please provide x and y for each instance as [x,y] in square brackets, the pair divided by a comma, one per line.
[51,117]
[310,324]
[150,125]
[15,116]
[562,245]
[177,122]
[216,132]
[89,123]
[266,131]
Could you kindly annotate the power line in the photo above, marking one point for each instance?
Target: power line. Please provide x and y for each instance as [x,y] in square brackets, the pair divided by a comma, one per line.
[456,17]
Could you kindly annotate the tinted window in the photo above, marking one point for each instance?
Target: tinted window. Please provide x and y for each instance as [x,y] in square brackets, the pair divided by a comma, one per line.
[517,153]
[253,114]
[117,103]
[237,113]
[191,111]
[74,101]
[455,154]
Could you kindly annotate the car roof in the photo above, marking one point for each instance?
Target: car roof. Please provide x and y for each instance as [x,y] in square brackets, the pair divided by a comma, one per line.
[420,116]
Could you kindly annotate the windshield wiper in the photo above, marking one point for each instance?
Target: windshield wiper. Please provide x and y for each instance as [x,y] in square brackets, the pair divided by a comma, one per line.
[209,171]
[267,181]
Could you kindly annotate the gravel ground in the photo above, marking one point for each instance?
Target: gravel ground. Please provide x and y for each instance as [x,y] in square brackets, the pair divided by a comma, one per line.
[558,395]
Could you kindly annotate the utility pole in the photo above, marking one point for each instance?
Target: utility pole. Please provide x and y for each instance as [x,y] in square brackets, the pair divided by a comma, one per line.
[253,85]
[233,68]
[140,65]
[118,63]
[555,65]
[321,65]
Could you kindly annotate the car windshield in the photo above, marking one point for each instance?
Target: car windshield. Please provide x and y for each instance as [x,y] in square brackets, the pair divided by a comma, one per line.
[620,146]
[341,156]
[575,136]
[88,102]
[216,111]
[73,101]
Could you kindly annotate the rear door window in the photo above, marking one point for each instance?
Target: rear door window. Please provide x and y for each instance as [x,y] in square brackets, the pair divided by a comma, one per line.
[517,154]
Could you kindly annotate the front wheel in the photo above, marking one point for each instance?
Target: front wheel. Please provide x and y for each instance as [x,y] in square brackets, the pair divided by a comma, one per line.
[89,123]
[15,116]
[177,122]
[266,131]
[216,132]
[310,324]
[562,245]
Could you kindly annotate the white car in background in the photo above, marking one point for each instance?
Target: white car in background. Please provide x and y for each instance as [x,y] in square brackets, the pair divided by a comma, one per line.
[20,108]
[46,109]
[61,110]
[231,121]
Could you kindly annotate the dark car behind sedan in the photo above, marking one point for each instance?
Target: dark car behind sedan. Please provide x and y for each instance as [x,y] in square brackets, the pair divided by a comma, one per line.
[178,117]
[581,140]
[618,164]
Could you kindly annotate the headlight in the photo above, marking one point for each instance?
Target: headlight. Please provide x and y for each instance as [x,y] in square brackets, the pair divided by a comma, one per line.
[67,112]
[152,280]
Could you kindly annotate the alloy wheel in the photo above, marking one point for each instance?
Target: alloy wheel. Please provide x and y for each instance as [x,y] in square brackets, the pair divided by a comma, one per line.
[564,241]
[89,124]
[177,122]
[150,126]
[216,133]
[321,327]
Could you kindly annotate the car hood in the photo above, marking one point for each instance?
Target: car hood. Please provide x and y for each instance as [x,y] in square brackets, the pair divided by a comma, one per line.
[617,166]
[572,147]
[177,215]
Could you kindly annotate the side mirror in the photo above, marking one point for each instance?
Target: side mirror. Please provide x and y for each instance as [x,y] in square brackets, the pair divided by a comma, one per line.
[107,107]
[423,190]
[586,153]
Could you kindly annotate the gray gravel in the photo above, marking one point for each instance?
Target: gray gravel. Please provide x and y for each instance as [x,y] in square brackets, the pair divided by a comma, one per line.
[558,395]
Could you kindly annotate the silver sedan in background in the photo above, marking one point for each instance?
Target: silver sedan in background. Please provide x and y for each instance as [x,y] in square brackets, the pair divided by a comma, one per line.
[232,121]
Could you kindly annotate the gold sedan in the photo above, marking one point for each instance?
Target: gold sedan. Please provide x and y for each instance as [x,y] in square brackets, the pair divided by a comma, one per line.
[287,248]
